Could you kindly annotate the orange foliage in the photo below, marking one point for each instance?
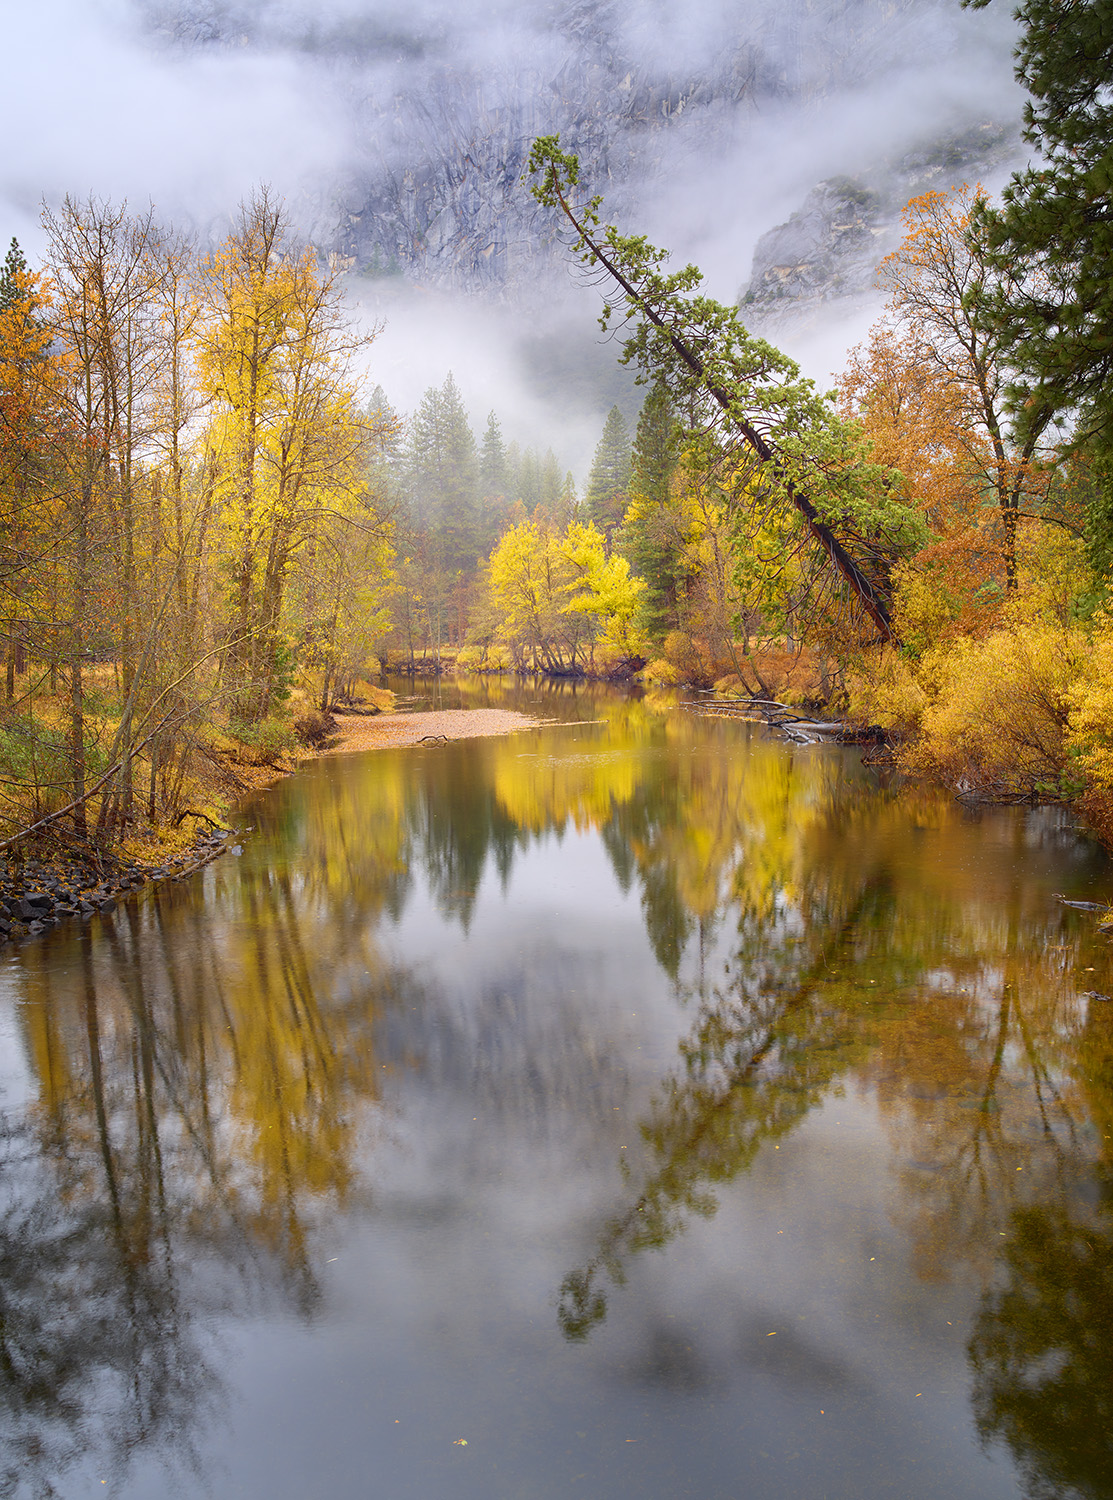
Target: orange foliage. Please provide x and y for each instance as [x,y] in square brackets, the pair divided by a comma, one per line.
[928,388]
[28,376]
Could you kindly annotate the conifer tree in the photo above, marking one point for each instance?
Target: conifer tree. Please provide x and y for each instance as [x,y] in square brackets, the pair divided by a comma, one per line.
[567,502]
[652,537]
[608,484]
[1052,240]
[529,481]
[550,483]
[13,277]
[492,460]
[443,477]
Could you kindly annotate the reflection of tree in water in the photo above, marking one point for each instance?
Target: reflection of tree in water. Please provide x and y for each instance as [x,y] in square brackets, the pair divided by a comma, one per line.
[763,1049]
[958,1006]
[1042,1356]
[1040,1353]
[201,1075]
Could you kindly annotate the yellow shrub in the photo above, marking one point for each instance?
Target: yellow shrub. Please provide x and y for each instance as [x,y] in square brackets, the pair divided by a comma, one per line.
[892,695]
[493,658]
[662,674]
[1090,700]
[1000,708]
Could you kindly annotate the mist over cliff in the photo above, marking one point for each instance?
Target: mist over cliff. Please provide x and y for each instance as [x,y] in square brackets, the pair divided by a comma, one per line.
[706,120]
[397,132]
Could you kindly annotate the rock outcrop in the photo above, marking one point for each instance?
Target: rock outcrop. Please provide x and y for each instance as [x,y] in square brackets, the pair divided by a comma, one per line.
[829,249]
[442,107]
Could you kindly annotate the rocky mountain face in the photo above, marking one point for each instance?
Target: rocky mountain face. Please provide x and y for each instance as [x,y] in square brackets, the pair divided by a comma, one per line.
[829,249]
[441,107]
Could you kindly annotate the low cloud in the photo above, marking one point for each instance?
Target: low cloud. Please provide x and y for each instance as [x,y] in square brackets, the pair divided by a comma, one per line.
[706,124]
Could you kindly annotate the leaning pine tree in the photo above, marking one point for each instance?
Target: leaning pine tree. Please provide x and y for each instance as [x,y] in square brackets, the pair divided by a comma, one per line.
[805,469]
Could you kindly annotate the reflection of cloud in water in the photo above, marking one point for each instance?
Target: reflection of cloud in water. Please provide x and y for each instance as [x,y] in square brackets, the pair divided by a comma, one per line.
[385,1132]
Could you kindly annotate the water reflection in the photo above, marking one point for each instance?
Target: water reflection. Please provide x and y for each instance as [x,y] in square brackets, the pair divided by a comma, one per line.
[952,994]
[208,1066]
[1040,1352]
[198,1091]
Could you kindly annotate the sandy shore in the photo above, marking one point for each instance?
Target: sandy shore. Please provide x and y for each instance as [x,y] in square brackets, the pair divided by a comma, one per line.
[388,730]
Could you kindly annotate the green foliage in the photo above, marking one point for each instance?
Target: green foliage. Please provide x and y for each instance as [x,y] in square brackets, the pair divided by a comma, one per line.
[608,484]
[1052,239]
[744,392]
[13,277]
[442,473]
[492,460]
[650,536]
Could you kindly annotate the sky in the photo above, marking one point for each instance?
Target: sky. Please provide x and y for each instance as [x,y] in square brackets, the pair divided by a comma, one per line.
[190,104]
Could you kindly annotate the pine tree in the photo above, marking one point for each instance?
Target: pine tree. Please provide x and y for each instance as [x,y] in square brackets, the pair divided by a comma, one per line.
[567,503]
[13,277]
[550,483]
[443,478]
[529,481]
[1052,240]
[608,484]
[492,461]
[653,460]
[651,535]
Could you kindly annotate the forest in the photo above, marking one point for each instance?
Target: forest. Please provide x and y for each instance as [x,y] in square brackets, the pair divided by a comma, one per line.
[215,529]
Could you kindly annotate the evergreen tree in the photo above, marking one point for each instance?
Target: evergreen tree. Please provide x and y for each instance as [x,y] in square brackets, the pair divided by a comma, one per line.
[1052,240]
[652,536]
[550,483]
[608,483]
[653,460]
[492,461]
[529,481]
[494,485]
[13,276]
[567,503]
[442,471]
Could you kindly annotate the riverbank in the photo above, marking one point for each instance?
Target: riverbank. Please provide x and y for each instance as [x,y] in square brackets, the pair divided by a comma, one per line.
[356,733]
[39,893]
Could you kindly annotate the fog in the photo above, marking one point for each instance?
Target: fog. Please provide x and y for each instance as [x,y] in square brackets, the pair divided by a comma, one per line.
[395,133]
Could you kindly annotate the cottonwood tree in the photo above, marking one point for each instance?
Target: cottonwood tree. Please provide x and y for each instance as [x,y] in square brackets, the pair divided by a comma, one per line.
[101,264]
[285,431]
[941,289]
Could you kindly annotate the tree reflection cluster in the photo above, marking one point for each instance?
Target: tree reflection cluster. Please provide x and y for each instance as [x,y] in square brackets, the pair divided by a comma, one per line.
[207,1061]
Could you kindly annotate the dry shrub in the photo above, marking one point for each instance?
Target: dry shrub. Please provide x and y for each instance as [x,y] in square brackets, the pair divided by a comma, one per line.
[791,676]
[314,729]
[683,652]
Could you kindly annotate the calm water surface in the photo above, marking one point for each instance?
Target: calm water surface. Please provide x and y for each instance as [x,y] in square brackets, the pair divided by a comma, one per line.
[630,1107]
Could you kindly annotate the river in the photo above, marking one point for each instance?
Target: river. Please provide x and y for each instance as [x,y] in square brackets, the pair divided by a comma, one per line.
[633,1106]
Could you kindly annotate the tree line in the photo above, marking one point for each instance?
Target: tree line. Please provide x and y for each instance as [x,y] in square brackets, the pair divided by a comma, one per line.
[929,545]
[208,522]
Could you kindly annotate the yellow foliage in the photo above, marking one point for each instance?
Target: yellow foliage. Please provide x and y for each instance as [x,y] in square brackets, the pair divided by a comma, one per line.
[891,695]
[1090,700]
[661,673]
[999,716]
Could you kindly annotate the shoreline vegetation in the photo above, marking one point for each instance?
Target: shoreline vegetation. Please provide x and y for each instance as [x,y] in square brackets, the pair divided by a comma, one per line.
[47,879]
[214,533]
[51,883]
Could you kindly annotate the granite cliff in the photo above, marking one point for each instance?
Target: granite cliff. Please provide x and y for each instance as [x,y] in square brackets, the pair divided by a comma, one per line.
[440,108]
